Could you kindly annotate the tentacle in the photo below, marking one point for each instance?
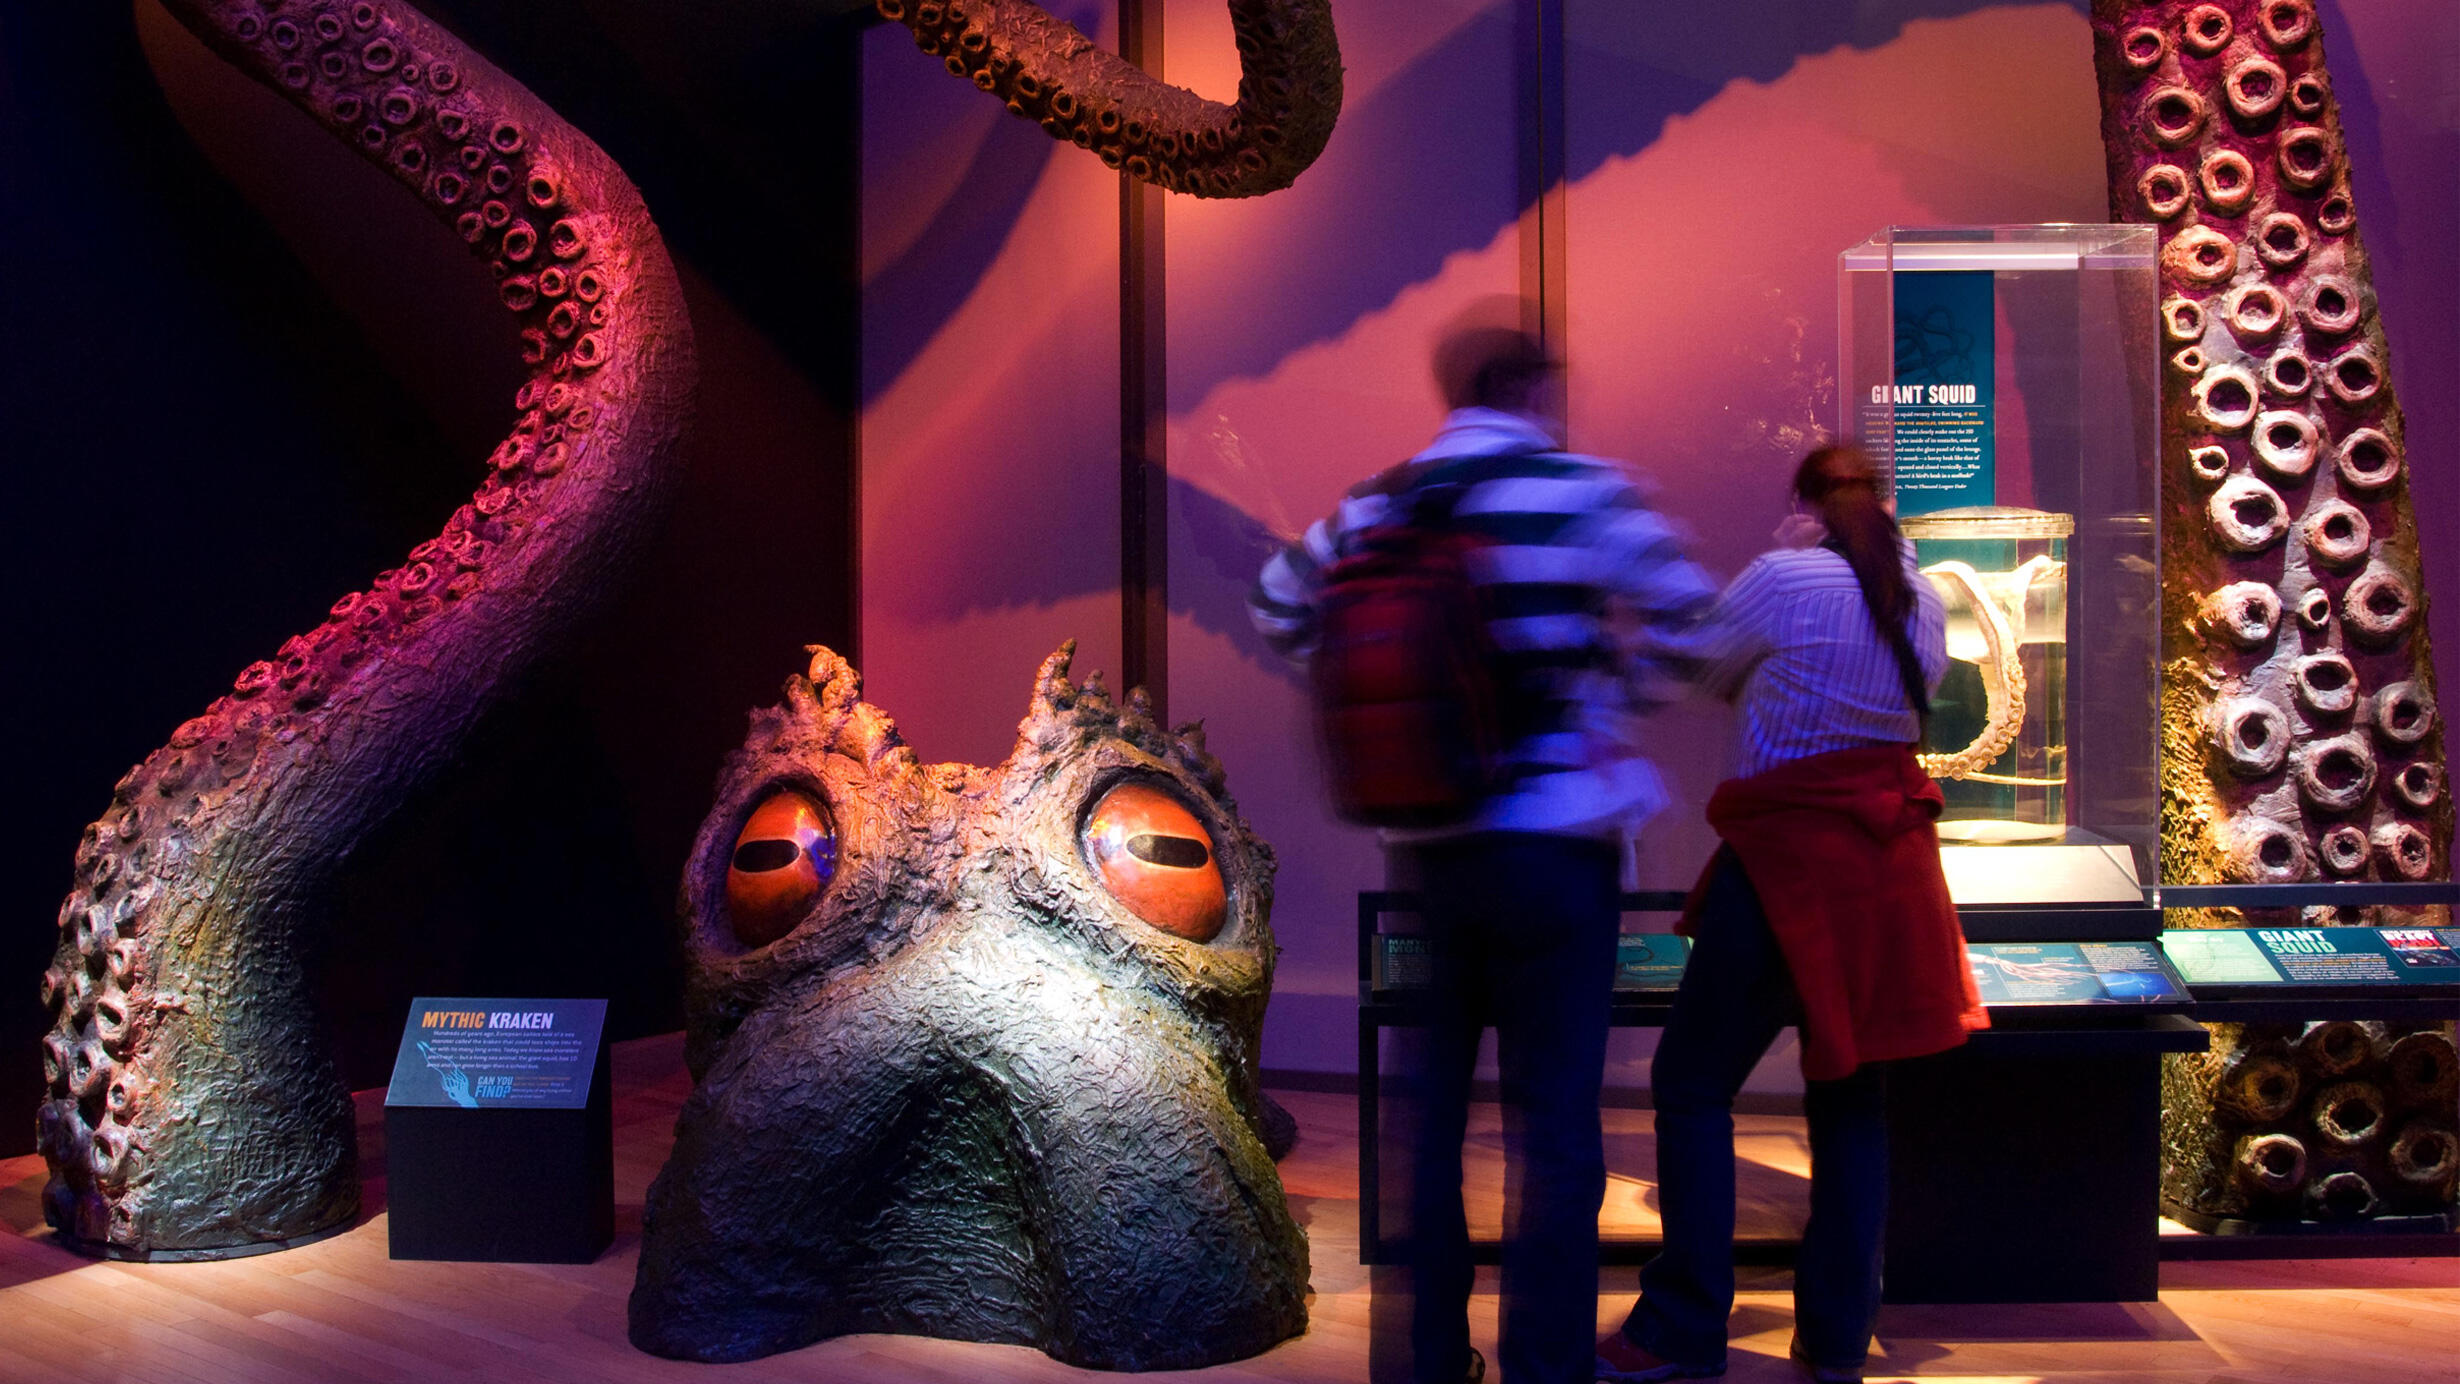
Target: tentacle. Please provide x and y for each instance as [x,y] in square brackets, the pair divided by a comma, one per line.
[2002,678]
[191,1107]
[2284,461]
[1047,71]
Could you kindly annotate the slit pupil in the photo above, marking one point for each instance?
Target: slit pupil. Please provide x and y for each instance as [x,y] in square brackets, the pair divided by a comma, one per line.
[1178,852]
[760,857]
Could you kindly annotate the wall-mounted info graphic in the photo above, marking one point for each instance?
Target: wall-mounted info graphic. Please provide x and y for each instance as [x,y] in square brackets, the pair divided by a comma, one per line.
[2025,973]
[496,1053]
[1943,408]
[2315,955]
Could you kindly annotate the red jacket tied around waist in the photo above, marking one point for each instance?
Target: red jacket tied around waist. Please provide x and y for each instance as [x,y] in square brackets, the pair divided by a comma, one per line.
[1842,852]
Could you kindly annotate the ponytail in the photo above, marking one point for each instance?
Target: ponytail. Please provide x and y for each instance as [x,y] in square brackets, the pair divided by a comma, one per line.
[1842,488]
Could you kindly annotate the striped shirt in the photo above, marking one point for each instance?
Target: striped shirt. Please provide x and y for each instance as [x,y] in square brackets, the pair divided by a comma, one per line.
[1595,608]
[1793,643]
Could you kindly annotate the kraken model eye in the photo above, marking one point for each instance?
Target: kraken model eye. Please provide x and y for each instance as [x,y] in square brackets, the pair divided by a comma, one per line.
[1155,857]
[784,858]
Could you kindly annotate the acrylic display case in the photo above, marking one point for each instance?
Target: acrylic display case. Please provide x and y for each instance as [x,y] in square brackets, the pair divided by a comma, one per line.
[2004,378]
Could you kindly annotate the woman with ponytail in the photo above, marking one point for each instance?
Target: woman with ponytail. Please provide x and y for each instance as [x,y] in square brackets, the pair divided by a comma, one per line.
[1824,906]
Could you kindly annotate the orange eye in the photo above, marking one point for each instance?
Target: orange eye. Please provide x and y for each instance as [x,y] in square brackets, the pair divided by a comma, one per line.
[1155,857]
[784,857]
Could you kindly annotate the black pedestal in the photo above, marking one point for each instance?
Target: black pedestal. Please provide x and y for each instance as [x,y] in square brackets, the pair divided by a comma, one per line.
[532,1186]
[2022,1166]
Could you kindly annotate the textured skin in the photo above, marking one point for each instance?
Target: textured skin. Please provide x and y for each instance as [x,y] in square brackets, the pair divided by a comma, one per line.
[972,1096]
[2303,1095]
[2299,735]
[1047,71]
[192,1108]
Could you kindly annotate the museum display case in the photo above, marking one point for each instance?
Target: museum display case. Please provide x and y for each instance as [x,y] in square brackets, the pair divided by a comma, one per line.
[2004,379]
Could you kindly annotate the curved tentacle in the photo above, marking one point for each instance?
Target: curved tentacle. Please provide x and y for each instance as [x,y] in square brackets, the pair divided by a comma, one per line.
[192,1109]
[2002,679]
[1047,71]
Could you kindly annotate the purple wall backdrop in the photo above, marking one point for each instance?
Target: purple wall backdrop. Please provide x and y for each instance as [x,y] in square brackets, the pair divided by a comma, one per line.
[1719,158]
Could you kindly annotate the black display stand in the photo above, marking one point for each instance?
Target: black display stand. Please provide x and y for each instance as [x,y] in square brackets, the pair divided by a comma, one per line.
[2022,1165]
[2418,999]
[528,1184]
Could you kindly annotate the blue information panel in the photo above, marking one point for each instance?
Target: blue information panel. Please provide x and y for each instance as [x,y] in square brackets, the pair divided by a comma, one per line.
[2026,973]
[493,1054]
[2006,973]
[1650,960]
[2316,956]
[1943,448]
[1401,961]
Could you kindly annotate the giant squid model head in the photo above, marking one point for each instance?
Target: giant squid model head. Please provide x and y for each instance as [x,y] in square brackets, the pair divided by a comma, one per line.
[974,1049]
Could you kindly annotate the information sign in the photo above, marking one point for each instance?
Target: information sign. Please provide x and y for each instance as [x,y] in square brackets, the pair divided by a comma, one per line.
[2316,956]
[490,1053]
[1650,960]
[2033,973]
[499,1132]
[1644,961]
[1401,962]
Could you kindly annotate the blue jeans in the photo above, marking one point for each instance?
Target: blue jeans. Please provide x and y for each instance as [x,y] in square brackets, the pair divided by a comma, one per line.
[1736,996]
[1521,928]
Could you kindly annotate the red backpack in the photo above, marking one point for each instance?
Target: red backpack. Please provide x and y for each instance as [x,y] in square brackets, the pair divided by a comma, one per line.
[1409,707]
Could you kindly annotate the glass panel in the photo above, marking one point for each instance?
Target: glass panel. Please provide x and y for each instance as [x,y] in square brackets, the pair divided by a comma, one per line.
[2004,376]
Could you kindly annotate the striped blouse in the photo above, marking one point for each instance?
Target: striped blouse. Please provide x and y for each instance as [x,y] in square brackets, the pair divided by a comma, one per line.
[1596,598]
[1793,644]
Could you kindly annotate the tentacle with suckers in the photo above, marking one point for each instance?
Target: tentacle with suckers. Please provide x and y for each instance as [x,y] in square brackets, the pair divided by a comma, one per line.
[1049,72]
[192,1110]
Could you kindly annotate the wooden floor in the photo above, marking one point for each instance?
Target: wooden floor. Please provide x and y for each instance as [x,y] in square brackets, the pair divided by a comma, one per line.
[341,1310]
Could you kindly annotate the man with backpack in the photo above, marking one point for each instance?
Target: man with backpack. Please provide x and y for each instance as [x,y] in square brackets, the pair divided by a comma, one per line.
[1500,742]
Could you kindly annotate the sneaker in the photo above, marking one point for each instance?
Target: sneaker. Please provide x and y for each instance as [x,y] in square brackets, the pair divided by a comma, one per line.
[1619,1361]
[1824,1374]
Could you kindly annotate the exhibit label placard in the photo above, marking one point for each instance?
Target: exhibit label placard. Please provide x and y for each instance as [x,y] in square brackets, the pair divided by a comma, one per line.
[2318,956]
[2030,973]
[1650,960]
[1643,961]
[1402,962]
[493,1053]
